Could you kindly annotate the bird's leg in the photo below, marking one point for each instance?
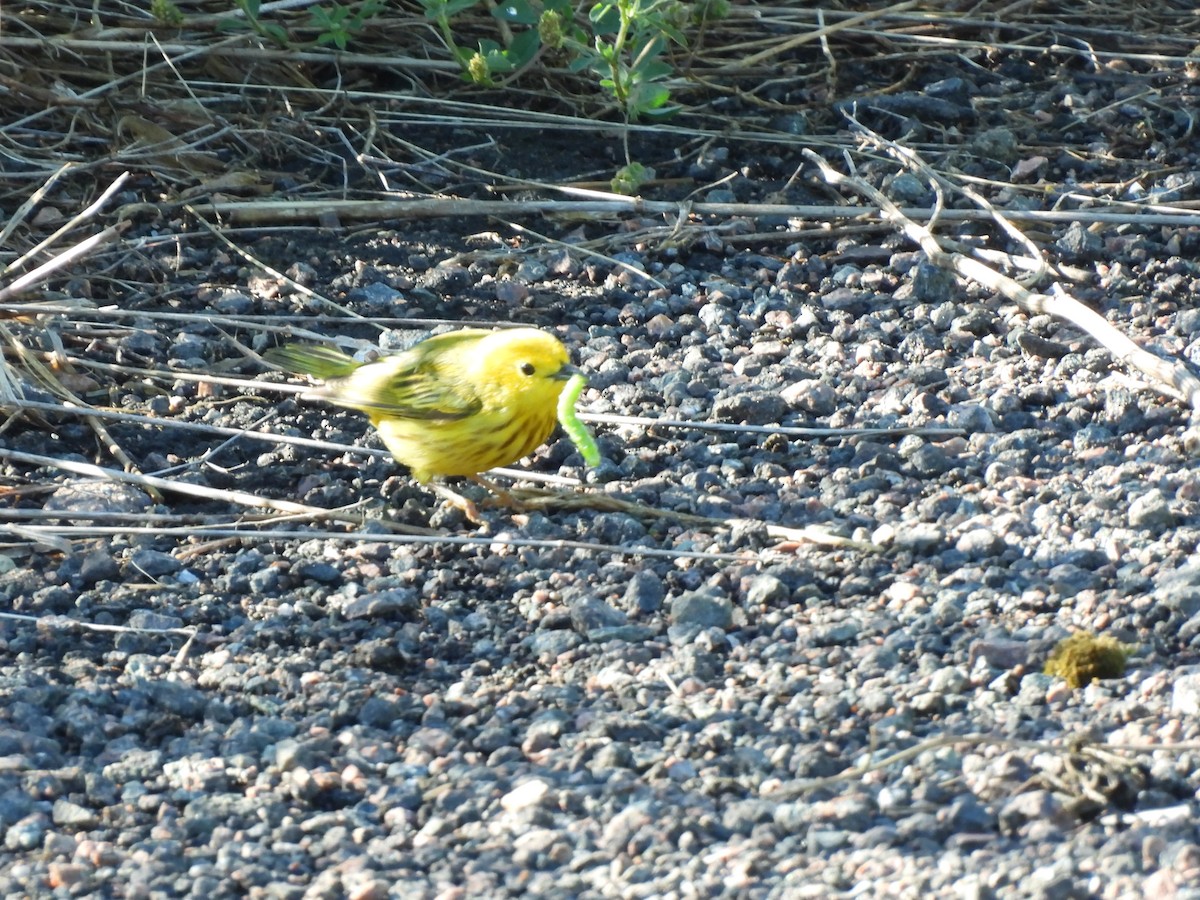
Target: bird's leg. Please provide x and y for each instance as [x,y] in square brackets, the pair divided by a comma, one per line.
[501,494]
[458,501]
[468,507]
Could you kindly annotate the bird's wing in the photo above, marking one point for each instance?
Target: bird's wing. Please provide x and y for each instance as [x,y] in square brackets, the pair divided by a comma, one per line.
[423,382]
[316,360]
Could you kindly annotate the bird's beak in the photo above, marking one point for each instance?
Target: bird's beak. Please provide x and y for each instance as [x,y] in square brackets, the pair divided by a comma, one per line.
[566,372]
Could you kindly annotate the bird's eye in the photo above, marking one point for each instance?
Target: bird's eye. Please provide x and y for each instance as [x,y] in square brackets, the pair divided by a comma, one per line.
[527,368]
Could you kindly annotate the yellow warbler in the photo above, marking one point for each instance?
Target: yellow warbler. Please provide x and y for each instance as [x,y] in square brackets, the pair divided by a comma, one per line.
[458,403]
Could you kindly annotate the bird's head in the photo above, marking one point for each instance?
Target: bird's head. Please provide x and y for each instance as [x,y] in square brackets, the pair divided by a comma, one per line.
[524,361]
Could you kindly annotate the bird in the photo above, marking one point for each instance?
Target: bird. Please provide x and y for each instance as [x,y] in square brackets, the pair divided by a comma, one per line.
[453,405]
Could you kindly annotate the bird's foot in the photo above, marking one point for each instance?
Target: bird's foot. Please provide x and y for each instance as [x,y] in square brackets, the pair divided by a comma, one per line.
[458,501]
[503,497]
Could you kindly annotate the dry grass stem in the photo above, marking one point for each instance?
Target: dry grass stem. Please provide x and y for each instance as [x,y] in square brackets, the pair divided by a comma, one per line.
[1169,377]
[236,498]
[261,212]
[65,623]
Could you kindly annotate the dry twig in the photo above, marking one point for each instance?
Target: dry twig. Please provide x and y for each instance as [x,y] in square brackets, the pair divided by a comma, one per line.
[1171,378]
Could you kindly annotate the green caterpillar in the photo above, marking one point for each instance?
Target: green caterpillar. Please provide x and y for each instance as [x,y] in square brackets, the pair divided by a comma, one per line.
[576,430]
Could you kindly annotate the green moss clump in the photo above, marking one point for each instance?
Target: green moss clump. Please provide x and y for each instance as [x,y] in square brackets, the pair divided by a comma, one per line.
[1083,657]
[166,12]
[629,179]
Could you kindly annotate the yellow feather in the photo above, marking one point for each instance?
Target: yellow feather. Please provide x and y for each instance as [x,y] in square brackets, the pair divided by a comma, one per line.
[456,404]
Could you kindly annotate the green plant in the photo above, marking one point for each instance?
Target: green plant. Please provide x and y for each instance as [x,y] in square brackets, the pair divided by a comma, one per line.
[630,178]
[626,44]
[440,12]
[166,12]
[491,58]
[250,10]
[337,24]
[629,49]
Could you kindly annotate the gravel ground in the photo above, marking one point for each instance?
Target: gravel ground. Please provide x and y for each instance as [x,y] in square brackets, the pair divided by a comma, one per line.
[693,712]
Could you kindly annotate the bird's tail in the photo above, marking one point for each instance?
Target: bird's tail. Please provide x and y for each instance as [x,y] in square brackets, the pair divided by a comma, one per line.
[312,359]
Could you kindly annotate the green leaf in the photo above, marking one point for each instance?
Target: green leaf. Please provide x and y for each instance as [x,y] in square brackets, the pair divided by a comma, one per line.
[495,56]
[653,70]
[673,33]
[606,52]
[647,46]
[439,9]
[650,96]
[329,19]
[583,61]
[519,12]
[337,38]
[277,33]
[524,47]
[661,114]
[605,18]
[710,10]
